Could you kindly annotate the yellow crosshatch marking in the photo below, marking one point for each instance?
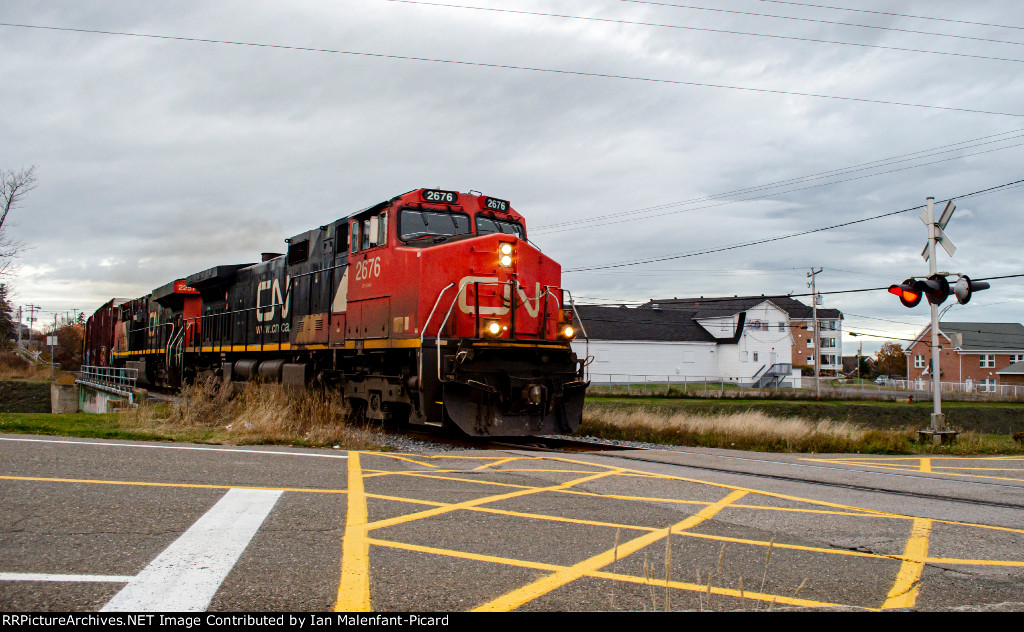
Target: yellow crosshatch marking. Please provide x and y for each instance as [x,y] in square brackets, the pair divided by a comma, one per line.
[900,584]
[946,466]
[497,485]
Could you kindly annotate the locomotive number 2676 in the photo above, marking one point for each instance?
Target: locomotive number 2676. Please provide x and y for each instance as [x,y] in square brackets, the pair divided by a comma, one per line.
[367,269]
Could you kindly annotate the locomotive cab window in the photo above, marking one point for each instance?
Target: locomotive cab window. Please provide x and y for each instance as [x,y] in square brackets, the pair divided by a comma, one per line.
[488,225]
[370,231]
[420,224]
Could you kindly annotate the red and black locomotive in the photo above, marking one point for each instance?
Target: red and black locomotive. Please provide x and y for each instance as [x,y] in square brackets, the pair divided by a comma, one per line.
[430,308]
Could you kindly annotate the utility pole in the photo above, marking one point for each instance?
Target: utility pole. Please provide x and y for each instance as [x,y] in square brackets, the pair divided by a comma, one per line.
[19,326]
[817,335]
[53,344]
[32,309]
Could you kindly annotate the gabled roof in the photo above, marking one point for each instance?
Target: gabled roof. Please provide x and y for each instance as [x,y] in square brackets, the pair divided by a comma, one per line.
[1017,368]
[711,307]
[630,323]
[986,336]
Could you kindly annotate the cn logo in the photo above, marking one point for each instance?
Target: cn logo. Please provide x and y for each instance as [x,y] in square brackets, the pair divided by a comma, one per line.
[276,299]
[532,305]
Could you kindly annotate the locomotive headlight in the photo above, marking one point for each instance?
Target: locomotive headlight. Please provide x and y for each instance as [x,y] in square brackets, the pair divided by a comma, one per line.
[493,328]
[569,332]
[505,250]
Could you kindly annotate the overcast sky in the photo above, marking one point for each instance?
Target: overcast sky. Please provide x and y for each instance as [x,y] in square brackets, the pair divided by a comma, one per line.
[159,157]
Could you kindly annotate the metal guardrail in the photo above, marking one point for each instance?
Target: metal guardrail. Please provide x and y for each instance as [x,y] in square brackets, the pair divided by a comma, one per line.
[115,380]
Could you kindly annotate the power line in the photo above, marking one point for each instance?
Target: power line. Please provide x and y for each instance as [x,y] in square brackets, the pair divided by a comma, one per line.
[556,71]
[899,15]
[884,162]
[817,21]
[781,237]
[595,223]
[702,29]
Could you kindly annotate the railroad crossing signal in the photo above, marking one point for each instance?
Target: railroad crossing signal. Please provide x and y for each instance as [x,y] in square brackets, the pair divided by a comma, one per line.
[939,226]
[909,295]
[937,288]
[965,288]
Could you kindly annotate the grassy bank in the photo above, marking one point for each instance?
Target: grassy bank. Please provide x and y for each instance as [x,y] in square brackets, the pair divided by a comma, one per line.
[79,425]
[211,413]
[777,427]
[266,414]
[986,418]
[21,396]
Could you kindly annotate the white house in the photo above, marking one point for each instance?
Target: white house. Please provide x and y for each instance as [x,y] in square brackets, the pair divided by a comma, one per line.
[743,341]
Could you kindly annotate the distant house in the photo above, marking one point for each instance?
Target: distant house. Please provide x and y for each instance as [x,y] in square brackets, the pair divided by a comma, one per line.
[747,340]
[1013,374]
[850,364]
[979,355]
[798,322]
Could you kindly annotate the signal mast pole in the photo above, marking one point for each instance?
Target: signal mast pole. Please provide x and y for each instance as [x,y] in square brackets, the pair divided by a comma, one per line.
[938,424]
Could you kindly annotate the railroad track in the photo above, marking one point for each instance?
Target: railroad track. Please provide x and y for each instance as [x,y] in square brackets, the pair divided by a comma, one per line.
[539,444]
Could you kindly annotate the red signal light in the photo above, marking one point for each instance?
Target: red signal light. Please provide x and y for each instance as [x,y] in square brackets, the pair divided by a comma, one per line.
[908,292]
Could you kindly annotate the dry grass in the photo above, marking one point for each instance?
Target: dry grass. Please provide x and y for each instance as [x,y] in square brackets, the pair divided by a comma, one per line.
[253,413]
[748,430]
[14,367]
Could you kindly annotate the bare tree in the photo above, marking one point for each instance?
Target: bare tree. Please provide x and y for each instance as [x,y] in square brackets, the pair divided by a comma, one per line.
[14,185]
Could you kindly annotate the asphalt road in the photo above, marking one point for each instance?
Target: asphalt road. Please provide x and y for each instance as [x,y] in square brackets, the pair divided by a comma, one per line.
[92,525]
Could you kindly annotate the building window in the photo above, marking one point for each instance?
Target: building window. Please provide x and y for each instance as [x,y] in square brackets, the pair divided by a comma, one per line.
[810,342]
[782,326]
[919,362]
[810,360]
[832,325]
[828,342]
[828,359]
[755,356]
[987,385]
[1017,357]
[988,361]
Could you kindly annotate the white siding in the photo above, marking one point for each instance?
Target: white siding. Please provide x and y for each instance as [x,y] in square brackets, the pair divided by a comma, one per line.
[656,359]
[737,361]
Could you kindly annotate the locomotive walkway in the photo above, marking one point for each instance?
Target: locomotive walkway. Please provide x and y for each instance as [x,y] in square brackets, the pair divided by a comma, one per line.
[88,525]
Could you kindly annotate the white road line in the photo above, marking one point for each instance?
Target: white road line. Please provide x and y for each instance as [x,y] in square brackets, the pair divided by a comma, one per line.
[43,577]
[178,447]
[188,573]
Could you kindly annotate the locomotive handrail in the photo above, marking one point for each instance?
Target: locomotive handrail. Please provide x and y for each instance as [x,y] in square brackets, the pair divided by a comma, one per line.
[227,313]
[586,339]
[437,339]
[144,329]
[419,371]
[514,284]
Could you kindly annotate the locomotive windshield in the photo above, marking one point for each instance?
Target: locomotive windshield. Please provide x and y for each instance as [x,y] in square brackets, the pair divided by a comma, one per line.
[419,224]
[488,225]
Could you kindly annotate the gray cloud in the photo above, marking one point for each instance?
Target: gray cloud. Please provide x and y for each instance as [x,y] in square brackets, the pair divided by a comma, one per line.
[158,158]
